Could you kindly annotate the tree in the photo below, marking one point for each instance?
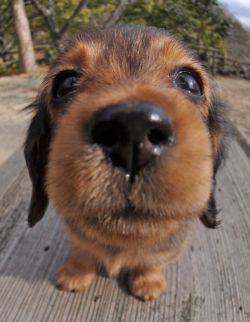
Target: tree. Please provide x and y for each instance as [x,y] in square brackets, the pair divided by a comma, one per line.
[6,37]
[58,20]
[49,15]
[25,45]
[198,22]
[118,12]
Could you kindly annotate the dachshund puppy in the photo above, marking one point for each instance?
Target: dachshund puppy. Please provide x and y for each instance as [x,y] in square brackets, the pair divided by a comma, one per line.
[126,140]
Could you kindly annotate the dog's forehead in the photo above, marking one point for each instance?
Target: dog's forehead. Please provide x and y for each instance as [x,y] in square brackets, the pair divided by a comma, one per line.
[124,54]
[129,49]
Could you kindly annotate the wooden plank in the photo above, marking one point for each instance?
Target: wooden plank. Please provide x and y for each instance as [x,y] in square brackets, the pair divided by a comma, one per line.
[10,169]
[209,283]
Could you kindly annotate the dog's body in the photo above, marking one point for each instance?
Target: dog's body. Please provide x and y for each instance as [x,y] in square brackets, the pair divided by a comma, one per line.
[126,142]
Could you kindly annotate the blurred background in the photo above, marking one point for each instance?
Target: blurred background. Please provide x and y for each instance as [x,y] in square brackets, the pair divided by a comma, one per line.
[32,31]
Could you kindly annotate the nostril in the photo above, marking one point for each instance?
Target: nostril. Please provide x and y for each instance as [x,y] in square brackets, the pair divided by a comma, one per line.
[156,136]
[106,134]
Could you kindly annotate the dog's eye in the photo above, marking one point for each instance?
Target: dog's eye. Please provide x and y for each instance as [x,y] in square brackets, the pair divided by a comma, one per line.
[188,81]
[65,84]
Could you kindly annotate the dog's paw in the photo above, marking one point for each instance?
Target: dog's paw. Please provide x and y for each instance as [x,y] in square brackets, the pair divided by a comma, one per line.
[147,286]
[70,279]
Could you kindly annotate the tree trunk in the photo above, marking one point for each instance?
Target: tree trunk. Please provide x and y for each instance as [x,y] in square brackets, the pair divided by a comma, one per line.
[25,46]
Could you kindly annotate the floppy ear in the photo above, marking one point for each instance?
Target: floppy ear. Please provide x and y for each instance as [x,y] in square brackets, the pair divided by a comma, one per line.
[36,149]
[218,128]
[209,218]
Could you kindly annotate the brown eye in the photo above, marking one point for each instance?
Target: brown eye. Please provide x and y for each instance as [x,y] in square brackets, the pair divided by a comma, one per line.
[188,81]
[64,84]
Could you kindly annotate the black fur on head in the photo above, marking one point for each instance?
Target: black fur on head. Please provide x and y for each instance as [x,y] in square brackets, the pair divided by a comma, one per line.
[36,150]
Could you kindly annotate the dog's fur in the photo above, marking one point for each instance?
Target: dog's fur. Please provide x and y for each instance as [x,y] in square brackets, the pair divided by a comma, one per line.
[119,65]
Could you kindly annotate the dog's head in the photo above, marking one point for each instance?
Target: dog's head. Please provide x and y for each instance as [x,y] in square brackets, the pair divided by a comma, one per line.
[127,129]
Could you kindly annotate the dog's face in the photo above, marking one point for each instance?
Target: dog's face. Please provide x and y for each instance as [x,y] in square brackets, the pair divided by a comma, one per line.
[126,131]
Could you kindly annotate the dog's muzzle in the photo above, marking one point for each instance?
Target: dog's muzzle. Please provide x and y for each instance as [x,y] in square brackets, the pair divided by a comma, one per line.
[131,134]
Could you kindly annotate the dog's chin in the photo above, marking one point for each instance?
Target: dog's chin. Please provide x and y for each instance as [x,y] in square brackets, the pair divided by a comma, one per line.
[130,212]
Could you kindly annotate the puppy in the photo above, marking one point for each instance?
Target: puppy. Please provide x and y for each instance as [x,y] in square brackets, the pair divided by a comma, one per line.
[126,141]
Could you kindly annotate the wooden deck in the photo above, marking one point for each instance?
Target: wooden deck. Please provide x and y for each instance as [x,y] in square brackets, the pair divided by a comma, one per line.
[209,283]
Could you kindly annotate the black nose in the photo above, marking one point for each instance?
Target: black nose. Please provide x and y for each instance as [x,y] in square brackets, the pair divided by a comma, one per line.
[132,134]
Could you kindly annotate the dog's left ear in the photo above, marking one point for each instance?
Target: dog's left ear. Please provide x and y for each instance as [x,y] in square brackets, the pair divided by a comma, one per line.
[36,150]
[218,127]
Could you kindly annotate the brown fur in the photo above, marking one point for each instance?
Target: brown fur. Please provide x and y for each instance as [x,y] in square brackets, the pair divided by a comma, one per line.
[124,65]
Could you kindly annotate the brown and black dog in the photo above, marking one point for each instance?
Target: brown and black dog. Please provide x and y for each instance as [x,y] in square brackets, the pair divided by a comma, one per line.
[126,140]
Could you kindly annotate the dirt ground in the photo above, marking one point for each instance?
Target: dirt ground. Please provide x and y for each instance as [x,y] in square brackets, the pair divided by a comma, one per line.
[16,92]
[237,93]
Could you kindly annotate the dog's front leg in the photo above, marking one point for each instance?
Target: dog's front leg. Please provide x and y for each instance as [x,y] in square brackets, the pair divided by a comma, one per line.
[77,273]
[147,283]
